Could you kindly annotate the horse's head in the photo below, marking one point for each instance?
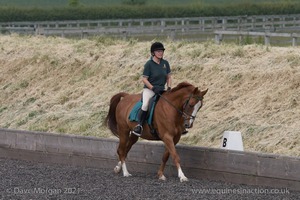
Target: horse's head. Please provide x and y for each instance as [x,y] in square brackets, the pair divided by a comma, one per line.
[192,105]
[187,100]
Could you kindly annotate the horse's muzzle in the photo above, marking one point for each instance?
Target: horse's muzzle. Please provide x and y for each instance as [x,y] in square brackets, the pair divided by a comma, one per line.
[187,124]
[188,121]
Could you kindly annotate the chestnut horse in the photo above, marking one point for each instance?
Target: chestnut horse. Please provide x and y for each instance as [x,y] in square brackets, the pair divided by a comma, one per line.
[175,111]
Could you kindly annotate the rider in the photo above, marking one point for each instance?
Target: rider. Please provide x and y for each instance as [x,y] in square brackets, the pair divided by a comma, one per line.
[156,74]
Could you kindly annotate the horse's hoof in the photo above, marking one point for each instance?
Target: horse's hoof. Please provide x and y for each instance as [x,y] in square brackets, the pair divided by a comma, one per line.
[127,175]
[184,179]
[117,169]
[163,178]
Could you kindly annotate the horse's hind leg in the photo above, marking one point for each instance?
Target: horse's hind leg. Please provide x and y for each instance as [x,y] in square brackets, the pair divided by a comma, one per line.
[118,168]
[122,152]
[165,158]
[132,140]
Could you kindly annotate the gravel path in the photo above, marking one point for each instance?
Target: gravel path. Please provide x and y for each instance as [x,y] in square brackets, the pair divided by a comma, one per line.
[30,180]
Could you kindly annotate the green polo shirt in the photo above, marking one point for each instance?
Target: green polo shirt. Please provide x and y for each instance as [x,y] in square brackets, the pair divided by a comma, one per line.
[157,73]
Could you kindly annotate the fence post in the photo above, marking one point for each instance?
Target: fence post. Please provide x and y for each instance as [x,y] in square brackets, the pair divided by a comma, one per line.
[224,23]
[253,22]
[36,29]
[182,23]
[124,35]
[239,23]
[218,38]
[173,35]
[294,41]
[267,40]
[162,25]
[202,24]
[264,22]
[240,39]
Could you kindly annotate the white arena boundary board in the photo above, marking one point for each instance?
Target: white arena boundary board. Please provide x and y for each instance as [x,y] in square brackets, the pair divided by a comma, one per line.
[197,162]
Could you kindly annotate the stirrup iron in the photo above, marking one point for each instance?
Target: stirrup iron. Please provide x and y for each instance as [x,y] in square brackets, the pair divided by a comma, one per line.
[136,132]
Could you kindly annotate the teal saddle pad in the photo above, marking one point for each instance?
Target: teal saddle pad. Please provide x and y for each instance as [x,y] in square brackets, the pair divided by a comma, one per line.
[134,114]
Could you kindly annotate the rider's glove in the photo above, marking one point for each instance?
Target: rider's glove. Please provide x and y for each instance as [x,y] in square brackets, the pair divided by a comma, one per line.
[156,90]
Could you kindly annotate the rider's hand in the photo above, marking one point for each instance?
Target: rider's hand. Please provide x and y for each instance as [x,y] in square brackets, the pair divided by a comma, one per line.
[156,90]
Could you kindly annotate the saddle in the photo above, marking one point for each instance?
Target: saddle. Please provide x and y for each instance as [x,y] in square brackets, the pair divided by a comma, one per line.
[136,110]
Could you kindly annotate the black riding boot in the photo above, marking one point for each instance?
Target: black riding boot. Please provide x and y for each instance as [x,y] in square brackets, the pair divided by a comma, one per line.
[139,128]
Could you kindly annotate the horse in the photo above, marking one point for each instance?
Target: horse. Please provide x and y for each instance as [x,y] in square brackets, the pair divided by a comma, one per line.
[175,110]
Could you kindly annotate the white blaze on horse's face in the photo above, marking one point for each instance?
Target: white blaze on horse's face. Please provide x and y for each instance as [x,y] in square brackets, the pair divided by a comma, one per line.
[196,109]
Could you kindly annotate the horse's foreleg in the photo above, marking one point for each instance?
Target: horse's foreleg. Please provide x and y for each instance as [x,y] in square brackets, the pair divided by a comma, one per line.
[171,147]
[123,166]
[165,158]
[181,175]
[125,171]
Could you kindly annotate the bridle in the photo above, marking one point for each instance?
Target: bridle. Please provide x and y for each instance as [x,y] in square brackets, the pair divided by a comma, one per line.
[182,112]
[190,116]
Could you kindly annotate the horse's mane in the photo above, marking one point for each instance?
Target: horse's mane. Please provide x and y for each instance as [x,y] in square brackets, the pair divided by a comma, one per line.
[180,86]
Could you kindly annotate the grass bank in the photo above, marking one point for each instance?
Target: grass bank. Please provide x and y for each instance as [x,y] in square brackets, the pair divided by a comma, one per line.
[64,86]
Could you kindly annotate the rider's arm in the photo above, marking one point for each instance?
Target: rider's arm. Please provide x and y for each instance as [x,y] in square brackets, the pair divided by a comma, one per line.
[146,82]
[169,80]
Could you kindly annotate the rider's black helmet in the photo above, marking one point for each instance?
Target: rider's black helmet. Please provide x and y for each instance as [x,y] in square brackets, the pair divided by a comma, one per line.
[156,46]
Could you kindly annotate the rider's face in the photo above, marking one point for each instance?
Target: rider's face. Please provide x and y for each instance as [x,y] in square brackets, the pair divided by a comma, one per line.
[159,53]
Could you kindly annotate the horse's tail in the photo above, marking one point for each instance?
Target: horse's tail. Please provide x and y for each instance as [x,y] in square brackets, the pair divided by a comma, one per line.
[110,120]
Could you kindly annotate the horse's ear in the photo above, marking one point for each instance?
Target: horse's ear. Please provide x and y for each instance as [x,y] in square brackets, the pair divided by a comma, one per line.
[195,90]
[204,92]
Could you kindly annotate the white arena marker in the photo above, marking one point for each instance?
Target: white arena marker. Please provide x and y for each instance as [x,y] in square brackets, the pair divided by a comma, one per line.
[232,140]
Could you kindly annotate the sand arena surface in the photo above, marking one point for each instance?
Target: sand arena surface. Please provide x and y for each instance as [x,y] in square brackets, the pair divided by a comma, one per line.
[64,86]
[30,180]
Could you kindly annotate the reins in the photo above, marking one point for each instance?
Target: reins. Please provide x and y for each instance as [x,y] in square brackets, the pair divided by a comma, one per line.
[183,114]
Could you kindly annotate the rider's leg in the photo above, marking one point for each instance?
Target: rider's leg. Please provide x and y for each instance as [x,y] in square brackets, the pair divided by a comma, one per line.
[147,94]
[139,128]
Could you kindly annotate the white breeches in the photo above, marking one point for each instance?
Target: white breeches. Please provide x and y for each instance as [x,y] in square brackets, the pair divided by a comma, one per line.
[147,94]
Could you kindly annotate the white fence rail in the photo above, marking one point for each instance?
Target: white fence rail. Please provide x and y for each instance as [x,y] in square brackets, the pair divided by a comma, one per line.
[266,35]
[167,27]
